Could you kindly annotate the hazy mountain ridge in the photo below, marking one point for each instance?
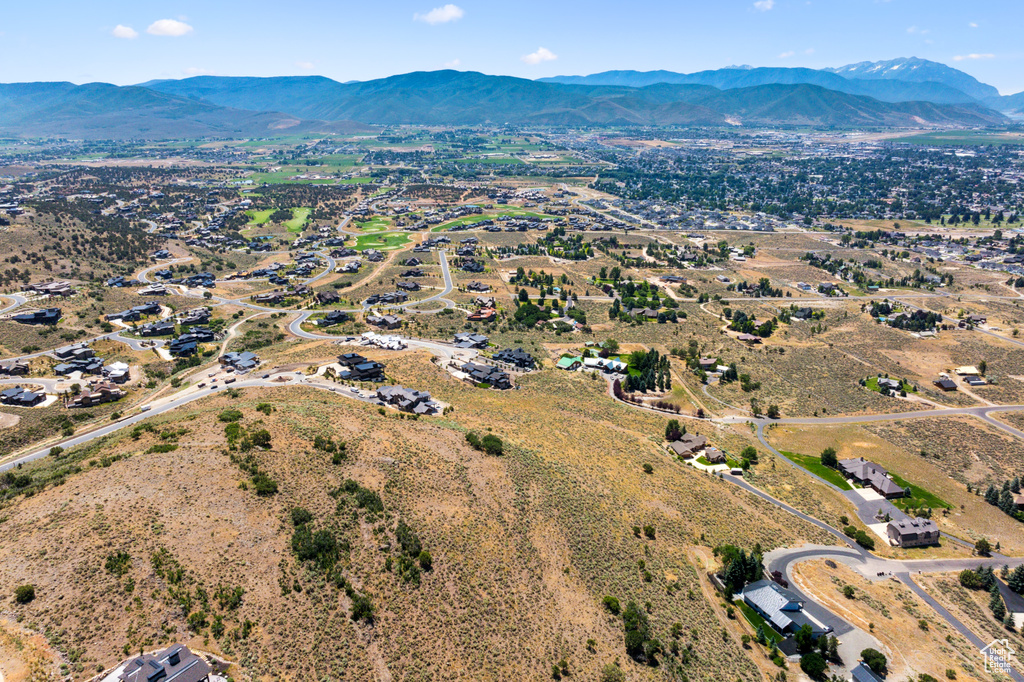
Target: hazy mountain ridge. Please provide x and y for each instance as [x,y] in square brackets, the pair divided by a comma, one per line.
[211,106]
[104,111]
[898,80]
[466,98]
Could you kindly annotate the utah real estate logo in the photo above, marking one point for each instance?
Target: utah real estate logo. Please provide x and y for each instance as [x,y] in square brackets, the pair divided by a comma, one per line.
[998,655]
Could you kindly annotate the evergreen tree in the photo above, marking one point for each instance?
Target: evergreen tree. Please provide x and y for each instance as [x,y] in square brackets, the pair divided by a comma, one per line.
[1016,580]
[995,603]
[1006,502]
[992,495]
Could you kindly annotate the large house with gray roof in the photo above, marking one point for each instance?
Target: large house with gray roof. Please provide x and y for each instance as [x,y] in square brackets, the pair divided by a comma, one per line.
[781,607]
[871,475]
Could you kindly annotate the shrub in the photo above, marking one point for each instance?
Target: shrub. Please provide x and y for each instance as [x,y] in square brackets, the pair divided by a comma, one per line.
[408,539]
[362,608]
[649,532]
[864,540]
[612,604]
[23,594]
[426,561]
[492,445]
[118,563]
[849,592]
[264,485]
[648,469]
[229,416]
[300,516]
[612,673]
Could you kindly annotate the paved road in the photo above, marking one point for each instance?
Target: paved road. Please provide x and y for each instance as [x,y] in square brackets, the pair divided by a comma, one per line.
[188,396]
[870,566]
[143,275]
[17,299]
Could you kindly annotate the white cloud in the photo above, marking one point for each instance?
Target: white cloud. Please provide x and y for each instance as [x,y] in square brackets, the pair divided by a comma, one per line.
[542,54]
[169,27]
[915,31]
[787,54]
[453,64]
[973,24]
[126,32]
[440,15]
[973,55]
[305,66]
[764,5]
[809,50]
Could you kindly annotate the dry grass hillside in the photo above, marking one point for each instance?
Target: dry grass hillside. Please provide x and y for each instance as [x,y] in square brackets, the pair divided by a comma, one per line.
[524,545]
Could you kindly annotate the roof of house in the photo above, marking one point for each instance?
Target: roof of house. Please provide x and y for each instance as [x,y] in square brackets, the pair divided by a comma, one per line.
[914,528]
[567,362]
[862,673]
[871,473]
[174,664]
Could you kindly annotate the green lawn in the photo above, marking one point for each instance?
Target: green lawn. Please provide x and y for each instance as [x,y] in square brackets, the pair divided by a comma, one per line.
[755,619]
[964,138]
[872,385]
[299,218]
[495,160]
[355,181]
[259,217]
[814,465]
[375,224]
[382,242]
[919,497]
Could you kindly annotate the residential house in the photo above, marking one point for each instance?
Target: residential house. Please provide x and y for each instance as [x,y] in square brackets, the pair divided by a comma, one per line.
[469,340]
[487,374]
[241,362]
[17,368]
[569,363]
[915,532]
[945,384]
[97,395]
[689,445]
[478,287]
[194,316]
[517,357]
[332,318]
[406,399]
[780,607]
[327,297]
[269,299]
[174,664]
[74,352]
[408,286]
[368,370]
[483,315]
[415,272]
[161,328]
[117,372]
[872,475]
[153,290]
[20,397]
[863,673]
[55,288]
[384,321]
[45,316]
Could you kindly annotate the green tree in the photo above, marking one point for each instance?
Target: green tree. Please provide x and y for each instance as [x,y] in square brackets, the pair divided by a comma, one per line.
[804,638]
[750,453]
[828,458]
[983,547]
[814,665]
[875,660]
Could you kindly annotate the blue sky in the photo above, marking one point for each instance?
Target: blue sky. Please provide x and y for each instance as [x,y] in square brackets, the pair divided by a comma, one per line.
[123,42]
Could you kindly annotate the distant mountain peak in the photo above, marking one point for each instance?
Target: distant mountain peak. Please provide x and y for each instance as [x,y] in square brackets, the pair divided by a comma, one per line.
[739,67]
[917,70]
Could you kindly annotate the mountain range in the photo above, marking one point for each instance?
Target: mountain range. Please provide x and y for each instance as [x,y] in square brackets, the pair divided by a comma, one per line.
[900,93]
[897,80]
